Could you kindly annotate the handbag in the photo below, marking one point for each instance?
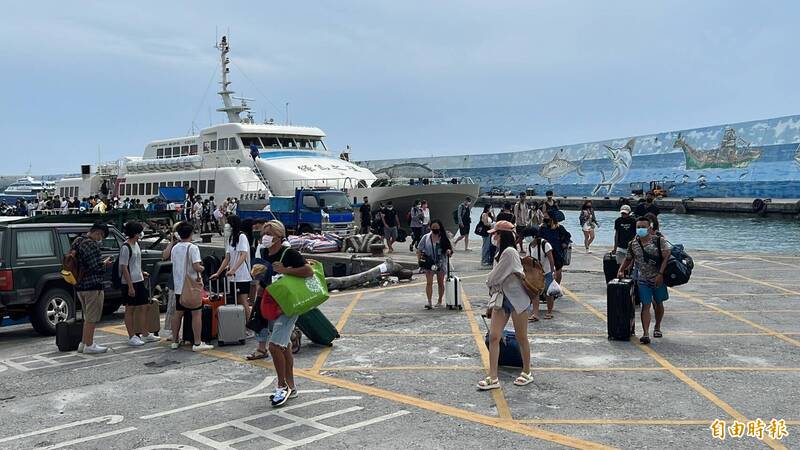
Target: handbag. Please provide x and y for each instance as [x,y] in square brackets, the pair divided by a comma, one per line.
[297,295]
[256,322]
[480,229]
[192,293]
[268,307]
[567,256]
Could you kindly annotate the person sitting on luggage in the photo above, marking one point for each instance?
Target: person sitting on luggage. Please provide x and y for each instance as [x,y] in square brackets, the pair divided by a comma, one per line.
[433,253]
[541,250]
[176,252]
[509,299]
[287,262]
[135,295]
[651,255]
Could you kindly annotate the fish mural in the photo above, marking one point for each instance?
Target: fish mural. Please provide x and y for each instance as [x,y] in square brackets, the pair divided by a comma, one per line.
[732,153]
[559,167]
[408,170]
[797,155]
[622,157]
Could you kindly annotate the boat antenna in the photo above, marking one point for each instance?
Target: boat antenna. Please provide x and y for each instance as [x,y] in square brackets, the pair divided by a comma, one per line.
[230,109]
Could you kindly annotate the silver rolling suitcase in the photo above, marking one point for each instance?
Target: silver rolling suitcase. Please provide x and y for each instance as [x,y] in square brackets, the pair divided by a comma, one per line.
[452,291]
[230,320]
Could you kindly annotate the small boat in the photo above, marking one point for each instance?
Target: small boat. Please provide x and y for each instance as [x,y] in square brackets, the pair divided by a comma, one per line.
[26,188]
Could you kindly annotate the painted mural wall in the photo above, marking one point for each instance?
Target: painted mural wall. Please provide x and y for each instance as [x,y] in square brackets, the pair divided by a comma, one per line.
[751,159]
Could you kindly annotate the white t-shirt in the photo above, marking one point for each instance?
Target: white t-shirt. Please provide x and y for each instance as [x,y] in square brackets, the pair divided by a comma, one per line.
[178,258]
[133,261]
[243,273]
[534,253]
[426,213]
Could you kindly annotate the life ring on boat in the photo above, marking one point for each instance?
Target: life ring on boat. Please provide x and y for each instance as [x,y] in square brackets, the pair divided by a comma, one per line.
[759,206]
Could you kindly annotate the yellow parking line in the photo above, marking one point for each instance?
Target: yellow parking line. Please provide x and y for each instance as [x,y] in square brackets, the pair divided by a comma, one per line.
[399,368]
[753,280]
[411,335]
[680,374]
[617,421]
[323,356]
[499,398]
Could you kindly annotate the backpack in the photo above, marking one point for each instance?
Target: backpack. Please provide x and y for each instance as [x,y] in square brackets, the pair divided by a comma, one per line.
[534,273]
[679,266]
[408,217]
[455,216]
[116,277]
[70,268]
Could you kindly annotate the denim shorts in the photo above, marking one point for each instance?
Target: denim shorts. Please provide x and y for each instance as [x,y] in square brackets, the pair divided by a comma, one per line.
[282,328]
[648,294]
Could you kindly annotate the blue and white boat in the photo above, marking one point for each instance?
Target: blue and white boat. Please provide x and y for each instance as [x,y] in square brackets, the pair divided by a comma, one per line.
[26,188]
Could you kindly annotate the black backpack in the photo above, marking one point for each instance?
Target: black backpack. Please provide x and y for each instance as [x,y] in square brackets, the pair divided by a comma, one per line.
[116,278]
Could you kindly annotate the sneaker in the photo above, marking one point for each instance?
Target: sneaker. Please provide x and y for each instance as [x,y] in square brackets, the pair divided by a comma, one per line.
[281,396]
[150,338]
[175,346]
[589,251]
[201,347]
[94,348]
[81,347]
[135,341]
[294,393]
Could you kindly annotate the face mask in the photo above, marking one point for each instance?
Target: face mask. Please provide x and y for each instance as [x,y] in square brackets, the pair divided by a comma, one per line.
[266,240]
[436,232]
[642,232]
[390,208]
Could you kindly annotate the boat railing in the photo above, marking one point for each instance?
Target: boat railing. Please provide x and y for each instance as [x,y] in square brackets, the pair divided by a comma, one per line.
[337,183]
[253,190]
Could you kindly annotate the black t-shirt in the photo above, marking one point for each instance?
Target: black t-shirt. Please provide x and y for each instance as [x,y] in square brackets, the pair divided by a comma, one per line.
[365,214]
[390,216]
[506,216]
[626,230]
[291,259]
[642,209]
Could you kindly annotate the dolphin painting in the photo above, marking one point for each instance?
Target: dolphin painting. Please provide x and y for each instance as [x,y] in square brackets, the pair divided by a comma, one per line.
[558,167]
[622,157]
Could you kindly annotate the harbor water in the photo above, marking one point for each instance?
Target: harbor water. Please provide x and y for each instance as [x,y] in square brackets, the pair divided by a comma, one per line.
[730,234]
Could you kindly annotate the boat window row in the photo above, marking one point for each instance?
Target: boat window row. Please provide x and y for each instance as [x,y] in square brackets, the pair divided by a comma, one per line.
[69,191]
[220,144]
[173,152]
[277,143]
[199,186]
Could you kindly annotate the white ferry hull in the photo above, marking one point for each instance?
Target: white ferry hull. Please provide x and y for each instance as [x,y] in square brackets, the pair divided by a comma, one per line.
[287,173]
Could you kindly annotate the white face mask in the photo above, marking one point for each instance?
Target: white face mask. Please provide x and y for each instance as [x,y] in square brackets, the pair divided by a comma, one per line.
[266,240]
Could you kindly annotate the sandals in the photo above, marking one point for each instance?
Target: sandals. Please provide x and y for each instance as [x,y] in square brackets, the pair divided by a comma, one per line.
[428,306]
[258,354]
[523,379]
[548,316]
[533,319]
[488,383]
[657,334]
[644,340]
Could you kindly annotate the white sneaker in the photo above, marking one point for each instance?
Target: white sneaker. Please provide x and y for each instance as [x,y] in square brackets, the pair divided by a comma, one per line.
[175,346]
[150,338]
[201,347]
[134,341]
[589,251]
[81,347]
[168,337]
[94,348]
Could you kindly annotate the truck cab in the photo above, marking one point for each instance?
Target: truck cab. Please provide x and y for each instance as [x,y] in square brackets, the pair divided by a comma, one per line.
[310,211]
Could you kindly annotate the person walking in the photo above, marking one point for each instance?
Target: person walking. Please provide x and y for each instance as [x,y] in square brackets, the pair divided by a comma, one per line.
[487,222]
[509,299]
[588,223]
[135,295]
[390,224]
[426,217]
[365,214]
[237,261]
[522,218]
[648,206]
[464,222]
[544,254]
[416,224]
[180,253]
[650,254]
[433,253]
[558,237]
[624,233]
[90,284]
[254,151]
[287,262]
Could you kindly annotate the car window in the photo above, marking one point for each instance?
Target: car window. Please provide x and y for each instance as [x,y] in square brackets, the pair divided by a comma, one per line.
[35,244]
[65,240]
[109,243]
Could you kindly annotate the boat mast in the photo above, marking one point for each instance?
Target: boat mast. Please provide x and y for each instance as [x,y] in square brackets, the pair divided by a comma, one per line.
[230,109]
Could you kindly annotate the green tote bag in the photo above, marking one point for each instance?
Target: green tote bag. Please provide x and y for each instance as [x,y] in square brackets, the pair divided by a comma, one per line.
[297,295]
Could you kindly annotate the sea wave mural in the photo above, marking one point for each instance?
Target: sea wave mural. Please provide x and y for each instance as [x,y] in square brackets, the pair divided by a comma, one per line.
[750,159]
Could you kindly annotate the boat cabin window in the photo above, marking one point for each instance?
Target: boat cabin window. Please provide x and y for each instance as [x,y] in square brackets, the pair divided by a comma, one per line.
[304,144]
[193,184]
[160,153]
[193,149]
[317,144]
[270,142]
[232,145]
[247,141]
[222,144]
[213,145]
[202,189]
[287,143]
[148,189]
[211,185]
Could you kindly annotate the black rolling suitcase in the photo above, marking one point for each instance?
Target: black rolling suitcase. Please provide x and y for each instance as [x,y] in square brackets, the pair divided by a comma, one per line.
[69,334]
[620,309]
[610,266]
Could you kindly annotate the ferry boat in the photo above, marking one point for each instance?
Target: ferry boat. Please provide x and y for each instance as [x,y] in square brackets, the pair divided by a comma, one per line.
[26,188]
[217,162]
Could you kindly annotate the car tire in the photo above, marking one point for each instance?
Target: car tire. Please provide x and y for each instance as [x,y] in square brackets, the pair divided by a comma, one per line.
[54,306]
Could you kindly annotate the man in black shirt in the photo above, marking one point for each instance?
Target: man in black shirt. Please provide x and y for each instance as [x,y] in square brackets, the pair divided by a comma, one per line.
[506,214]
[365,211]
[647,207]
[389,219]
[624,233]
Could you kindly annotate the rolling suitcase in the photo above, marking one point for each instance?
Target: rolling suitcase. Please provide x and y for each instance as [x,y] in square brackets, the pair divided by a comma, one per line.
[231,322]
[610,266]
[452,291]
[69,334]
[317,327]
[620,309]
[509,348]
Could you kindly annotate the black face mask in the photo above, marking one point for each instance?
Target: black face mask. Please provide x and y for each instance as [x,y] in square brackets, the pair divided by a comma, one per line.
[436,232]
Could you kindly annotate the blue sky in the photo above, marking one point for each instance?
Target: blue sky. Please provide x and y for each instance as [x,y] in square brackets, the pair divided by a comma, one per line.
[388,78]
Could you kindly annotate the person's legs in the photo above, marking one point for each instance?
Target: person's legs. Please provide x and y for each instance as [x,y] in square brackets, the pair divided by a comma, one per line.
[130,320]
[243,299]
[440,282]
[466,243]
[591,237]
[496,326]
[586,239]
[281,351]
[550,303]
[429,285]
[279,361]
[288,368]
[197,325]
[520,321]
[485,251]
[534,309]
[646,297]
[659,307]
[92,307]
[660,295]
[177,320]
